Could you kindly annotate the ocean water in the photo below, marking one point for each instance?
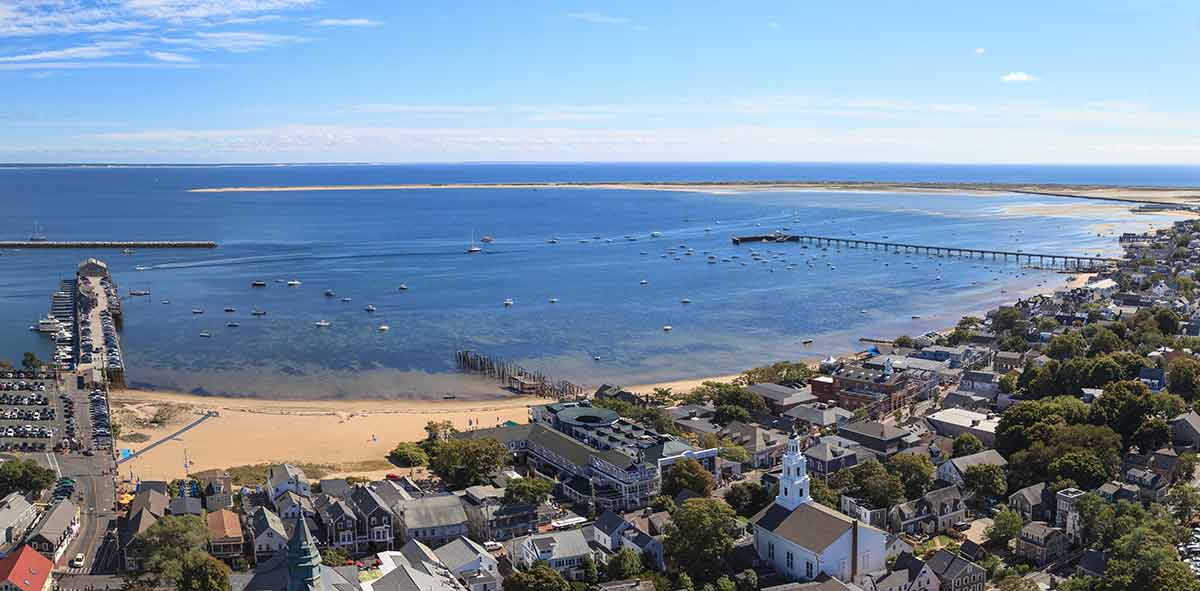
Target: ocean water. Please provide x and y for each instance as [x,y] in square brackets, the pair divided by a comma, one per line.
[364,244]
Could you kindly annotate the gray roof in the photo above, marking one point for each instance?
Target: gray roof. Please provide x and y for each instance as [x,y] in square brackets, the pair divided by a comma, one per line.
[263,519]
[562,544]
[987,457]
[151,500]
[56,521]
[439,511]
[811,526]
[828,452]
[874,429]
[823,415]
[782,394]
[1033,494]
[186,506]
[609,523]
[949,566]
[460,552]
[278,475]
[390,492]
[337,487]
[12,507]
[365,501]
[331,509]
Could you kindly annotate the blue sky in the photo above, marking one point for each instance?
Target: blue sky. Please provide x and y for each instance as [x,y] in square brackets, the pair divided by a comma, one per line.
[399,81]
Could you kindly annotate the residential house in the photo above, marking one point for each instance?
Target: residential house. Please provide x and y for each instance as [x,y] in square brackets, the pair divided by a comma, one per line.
[299,568]
[1152,487]
[182,505]
[825,459]
[1185,430]
[956,572]
[764,445]
[955,469]
[25,569]
[16,515]
[290,505]
[612,532]
[285,477]
[147,507]
[1155,378]
[620,394]
[878,438]
[1092,563]
[803,540]
[1066,516]
[1118,491]
[1033,502]
[267,533]
[490,518]
[335,487]
[936,511]
[216,487]
[53,533]
[375,523]
[1006,361]
[474,566]
[780,399]
[434,520]
[1041,543]
[339,523]
[564,551]
[225,535]
[414,567]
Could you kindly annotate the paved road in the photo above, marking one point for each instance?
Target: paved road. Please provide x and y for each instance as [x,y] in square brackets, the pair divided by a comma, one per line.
[185,429]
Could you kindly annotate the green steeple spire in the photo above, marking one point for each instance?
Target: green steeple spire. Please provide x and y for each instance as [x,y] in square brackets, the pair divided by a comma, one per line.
[303,560]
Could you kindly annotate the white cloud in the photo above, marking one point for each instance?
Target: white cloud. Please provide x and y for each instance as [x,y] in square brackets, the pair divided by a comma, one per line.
[28,18]
[411,108]
[86,65]
[348,22]
[235,41]
[980,51]
[773,25]
[182,10]
[93,51]
[598,18]
[1018,77]
[167,56]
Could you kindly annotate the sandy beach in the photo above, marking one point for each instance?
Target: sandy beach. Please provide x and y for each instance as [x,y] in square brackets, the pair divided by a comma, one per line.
[350,436]
[1158,195]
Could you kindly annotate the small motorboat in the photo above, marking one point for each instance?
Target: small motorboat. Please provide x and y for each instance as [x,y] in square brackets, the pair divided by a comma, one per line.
[553,300]
[139,292]
[552,241]
[383,328]
[141,268]
[205,334]
[487,239]
[685,301]
[508,302]
[643,282]
[130,250]
[655,234]
[916,317]
[329,293]
[232,324]
[474,249]
[403,287]
[166,302]
[258,283]
[293,283]
[346,300]
[806,342]
[370,308]
[258,312]
[230,309]
[197,311]
[323,323]
[667,328]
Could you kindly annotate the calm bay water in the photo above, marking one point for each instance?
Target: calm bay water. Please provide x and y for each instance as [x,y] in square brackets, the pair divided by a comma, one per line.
[364,244]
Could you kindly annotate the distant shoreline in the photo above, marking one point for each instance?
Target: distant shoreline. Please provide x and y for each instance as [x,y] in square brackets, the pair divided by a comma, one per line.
[1179,196]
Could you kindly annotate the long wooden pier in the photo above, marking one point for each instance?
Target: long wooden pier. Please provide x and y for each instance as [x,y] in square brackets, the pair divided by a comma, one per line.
[1065,261]
[108,244]
[516,378]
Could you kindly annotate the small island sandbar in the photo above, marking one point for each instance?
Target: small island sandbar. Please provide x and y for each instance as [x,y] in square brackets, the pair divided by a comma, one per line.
[1178,196]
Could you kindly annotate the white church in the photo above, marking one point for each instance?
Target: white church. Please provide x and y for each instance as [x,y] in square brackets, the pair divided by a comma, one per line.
[804,539]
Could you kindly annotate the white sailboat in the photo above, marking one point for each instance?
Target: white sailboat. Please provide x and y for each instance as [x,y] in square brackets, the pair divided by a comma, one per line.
[473,248]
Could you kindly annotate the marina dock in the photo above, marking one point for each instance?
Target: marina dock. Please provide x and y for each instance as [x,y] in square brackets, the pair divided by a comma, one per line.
[107,244]
[1041,259]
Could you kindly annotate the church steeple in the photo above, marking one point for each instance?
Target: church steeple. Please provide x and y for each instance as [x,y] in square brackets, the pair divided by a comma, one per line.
[303,559]
[793,482]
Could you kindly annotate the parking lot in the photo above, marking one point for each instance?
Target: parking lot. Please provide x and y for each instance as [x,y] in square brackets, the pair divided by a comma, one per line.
[40,414]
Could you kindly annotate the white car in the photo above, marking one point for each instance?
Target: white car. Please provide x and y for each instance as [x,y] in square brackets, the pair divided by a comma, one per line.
[78,560]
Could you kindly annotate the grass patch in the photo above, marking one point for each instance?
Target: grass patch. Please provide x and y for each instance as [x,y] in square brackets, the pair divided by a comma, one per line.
[252,474]
[134,437]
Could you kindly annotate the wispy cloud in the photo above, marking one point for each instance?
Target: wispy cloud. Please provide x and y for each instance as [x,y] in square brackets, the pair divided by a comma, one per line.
[92,51]
[414,108]
[348,22]
[167,56]
[91,65]
[980,51]
[1018,77]
[185,10]
[31,18]
[234,41]
[598,18]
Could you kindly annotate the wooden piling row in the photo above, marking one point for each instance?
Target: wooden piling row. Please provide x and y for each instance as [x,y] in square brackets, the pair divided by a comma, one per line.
[517,378]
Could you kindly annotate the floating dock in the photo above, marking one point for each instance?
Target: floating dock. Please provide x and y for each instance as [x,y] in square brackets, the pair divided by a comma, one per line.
[107,244]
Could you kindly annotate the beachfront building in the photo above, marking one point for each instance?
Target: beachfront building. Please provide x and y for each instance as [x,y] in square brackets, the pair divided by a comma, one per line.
[224,535]
[266,533]
[881,390]
[54,532]
[433,520]
[490,518]
[338,522]
[286,477]
[595,454]
[802,539]
[414,567]
[298,567]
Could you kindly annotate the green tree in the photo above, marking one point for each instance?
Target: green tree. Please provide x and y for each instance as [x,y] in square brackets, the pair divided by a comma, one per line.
[1014,582]
[334,556]
[747,498]
[1104,341]
[1154,433]
[1084,468]
[465,462]
[782,372]
[966,444]
[725,584]
[747,580]
[591,575]
[985,481]
[1066,346]
[685,583]
[1144,558]
[870,482]
[1183,377]
[1008,382]
[688,474]
[167,544]
[407,454]
[1005,319]
[625,564]
[663,503]
[24,476]
[1184,501]
[904,341]
[1005,526]
[723,393]
[527,491]
[729,413]
[539,577]
[1186,468]
[30,361]
[700,537]
[821,493]
[1167,321]
[201,572]
[914,471]
[439,430]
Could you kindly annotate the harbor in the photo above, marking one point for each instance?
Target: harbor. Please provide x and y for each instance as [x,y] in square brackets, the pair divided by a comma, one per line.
[106,244]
